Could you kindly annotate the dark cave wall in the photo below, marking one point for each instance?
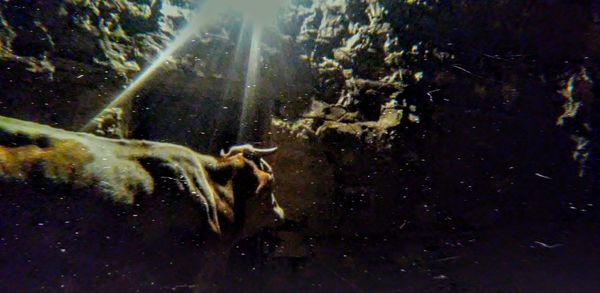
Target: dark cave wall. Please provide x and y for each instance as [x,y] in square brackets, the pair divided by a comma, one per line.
[64,60]
[392,119]
[453,105]
[447,112]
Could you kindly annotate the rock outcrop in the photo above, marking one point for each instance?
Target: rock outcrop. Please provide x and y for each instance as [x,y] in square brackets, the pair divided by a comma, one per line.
[442,92]
[394,119]
[85,50]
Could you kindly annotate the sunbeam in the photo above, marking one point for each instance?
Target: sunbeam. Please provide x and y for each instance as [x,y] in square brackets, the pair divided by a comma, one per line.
[250,86]
[205,16]
[259,14]
[227,98]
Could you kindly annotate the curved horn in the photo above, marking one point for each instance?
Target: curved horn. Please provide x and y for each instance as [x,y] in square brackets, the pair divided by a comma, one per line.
[248,150]
[265,166]
[263,152]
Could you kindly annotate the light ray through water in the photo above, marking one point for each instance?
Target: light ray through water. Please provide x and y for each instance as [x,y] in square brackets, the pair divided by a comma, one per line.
[249,101]
[228,92]
[259,14]
[205,16]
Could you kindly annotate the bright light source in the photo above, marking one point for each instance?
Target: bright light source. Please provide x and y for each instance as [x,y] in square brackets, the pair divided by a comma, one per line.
[262,12]
[258,12]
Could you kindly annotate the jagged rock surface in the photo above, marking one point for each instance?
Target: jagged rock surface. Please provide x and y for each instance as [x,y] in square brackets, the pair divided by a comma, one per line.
[84,50]
[441,92]
[393,118]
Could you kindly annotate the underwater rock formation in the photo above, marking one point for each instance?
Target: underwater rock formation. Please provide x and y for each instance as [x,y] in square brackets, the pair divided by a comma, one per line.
[84,50]
[393,118]
[578,118]
[363,69]
[420,87]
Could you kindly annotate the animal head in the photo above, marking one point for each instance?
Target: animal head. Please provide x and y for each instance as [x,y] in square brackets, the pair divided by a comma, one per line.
[248,194]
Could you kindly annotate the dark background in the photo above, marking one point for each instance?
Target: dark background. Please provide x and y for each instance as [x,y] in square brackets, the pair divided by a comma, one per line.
[488,192]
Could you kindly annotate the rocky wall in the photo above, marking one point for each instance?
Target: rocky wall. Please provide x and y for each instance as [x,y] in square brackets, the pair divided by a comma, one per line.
[445,112]
[64,60]
[435,120]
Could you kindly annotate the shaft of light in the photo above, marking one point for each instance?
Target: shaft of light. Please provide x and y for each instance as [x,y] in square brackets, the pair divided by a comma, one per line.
[262,12]
[205,16]
[222,122]
[250,94]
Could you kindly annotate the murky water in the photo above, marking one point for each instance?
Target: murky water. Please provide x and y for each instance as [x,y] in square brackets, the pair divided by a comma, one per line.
[300,145]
